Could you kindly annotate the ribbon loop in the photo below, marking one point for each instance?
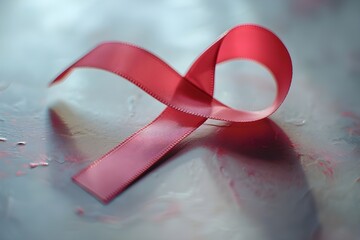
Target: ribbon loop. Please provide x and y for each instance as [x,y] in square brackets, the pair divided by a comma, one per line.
[189,100]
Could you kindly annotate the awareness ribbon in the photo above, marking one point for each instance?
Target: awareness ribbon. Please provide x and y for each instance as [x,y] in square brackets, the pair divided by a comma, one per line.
[189,100]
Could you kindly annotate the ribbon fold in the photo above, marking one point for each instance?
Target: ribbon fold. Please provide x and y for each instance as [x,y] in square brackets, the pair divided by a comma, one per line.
[189,100]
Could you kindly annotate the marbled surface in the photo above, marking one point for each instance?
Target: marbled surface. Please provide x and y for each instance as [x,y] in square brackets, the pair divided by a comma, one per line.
[294,176]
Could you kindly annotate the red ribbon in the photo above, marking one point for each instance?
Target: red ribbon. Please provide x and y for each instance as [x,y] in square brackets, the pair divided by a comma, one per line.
[189,100]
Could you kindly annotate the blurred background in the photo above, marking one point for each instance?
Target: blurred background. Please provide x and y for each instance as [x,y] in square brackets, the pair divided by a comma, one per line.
[293,176]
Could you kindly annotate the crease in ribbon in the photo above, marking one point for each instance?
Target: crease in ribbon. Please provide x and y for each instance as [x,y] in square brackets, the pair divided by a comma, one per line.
[189,100]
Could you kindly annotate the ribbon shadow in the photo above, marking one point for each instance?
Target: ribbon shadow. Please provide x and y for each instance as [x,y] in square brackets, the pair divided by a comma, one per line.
[257,163]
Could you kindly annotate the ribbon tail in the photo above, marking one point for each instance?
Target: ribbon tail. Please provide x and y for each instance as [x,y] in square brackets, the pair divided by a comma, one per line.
[115,171]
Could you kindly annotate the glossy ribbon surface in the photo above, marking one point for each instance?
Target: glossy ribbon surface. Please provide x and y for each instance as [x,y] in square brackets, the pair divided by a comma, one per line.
[189,100]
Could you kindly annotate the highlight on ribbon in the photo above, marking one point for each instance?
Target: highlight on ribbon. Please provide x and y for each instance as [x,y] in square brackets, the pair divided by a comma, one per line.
[189,100]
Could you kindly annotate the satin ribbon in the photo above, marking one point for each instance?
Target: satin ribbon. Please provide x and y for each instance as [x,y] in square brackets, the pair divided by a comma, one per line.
[189,100]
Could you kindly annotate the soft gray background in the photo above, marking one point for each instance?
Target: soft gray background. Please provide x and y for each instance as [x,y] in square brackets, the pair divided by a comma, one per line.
[294,177]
